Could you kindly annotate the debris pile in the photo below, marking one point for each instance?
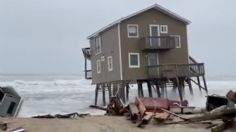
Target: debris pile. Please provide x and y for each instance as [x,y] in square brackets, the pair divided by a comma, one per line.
[70,115]
[219,113]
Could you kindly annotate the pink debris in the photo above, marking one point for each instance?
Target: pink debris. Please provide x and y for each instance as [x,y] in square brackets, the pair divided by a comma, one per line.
[152,104]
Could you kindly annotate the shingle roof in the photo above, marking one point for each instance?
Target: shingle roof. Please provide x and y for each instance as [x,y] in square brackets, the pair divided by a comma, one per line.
[155,6]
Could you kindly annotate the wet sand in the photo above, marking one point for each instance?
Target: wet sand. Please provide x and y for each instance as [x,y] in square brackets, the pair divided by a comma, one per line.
[97,124]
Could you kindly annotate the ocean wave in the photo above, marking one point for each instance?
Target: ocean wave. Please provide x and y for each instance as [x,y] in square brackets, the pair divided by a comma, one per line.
[75,95]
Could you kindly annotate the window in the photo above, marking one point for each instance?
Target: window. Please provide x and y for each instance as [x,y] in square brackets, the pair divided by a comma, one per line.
[11,107]
[164,28]
[134,60]
[102,58]
[1,95]
[98,48]
[110,63]
[132,30]
[98,66]
[177,41]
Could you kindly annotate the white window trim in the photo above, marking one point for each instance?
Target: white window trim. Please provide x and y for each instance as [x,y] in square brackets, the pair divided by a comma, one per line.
[134,66]
[150,29]
[100,41]
[136,25]
[108,62]
[99,65]
[164,26]
[179,40]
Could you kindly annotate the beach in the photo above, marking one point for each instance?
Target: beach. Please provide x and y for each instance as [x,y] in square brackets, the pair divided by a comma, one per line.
[97,124]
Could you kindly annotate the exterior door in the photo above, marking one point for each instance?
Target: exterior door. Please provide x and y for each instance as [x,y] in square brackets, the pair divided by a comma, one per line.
[154,33]
[153,62]
[153,59]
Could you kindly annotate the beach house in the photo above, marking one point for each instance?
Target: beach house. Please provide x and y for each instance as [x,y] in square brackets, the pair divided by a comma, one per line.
[147,47]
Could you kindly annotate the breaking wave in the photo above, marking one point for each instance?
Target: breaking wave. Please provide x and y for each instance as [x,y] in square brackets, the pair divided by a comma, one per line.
[52,96]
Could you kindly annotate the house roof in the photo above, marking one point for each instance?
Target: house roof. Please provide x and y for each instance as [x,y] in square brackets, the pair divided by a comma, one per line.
[155,6]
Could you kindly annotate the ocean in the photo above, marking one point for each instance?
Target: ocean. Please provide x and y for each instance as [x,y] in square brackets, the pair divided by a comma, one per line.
[61,94]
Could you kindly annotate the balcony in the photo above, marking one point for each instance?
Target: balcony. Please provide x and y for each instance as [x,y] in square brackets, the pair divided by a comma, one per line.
[87,52]
[159,42]
[176,70]
[87,57]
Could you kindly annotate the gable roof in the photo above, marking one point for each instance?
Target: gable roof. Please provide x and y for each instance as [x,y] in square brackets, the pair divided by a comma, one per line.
[155,6]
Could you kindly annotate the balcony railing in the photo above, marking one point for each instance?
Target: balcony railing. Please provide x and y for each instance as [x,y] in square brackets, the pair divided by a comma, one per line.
[88,74]
[87,52]
[176,70]
[159,42]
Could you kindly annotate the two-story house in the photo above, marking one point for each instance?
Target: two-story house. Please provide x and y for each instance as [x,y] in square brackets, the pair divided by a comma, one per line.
[149,46]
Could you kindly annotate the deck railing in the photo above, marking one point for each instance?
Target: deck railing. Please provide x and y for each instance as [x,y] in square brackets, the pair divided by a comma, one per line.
[159,42]
[88,74]
[87,52]
[173,70]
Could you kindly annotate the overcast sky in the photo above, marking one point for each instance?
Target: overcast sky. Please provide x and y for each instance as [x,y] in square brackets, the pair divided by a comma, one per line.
[46,36]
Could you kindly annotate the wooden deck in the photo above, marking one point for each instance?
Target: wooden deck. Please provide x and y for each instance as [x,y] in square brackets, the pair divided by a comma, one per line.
[176,70]
[158,43]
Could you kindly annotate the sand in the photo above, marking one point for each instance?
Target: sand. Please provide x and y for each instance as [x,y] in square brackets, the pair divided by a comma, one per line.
[96,124]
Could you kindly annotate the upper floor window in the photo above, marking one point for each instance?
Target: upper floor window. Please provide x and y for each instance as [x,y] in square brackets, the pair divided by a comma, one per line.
[164,28]
[98,45]
[110,63]
[98,66]
[177,40]
[132,30]
[134,61]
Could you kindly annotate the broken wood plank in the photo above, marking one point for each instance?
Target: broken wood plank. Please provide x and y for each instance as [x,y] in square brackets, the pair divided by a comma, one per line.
[141,107]
[18,129]
[133,111]
[222,126]
[98,107]
[146,118]
[225,114]
[185,119]
[160,117]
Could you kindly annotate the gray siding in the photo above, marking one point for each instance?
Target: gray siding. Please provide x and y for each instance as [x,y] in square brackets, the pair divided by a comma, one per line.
[110,47]
[128,45]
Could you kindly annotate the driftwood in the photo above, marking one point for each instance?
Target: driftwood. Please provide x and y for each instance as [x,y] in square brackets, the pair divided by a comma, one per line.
[98,107]
[226,114]
[134,112]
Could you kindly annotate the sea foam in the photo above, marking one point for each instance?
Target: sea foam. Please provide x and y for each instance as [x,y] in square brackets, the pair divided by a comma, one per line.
[53,96]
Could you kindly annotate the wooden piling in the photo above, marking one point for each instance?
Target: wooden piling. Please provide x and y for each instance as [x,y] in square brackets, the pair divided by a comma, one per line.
[122,92]
[114,89]
[109,91]
[96,94]
[103,95]
[140,89]
[204,82]
[199,84]
[179,89]
[190,86]
[127,92]
[158,91]
[149,88]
